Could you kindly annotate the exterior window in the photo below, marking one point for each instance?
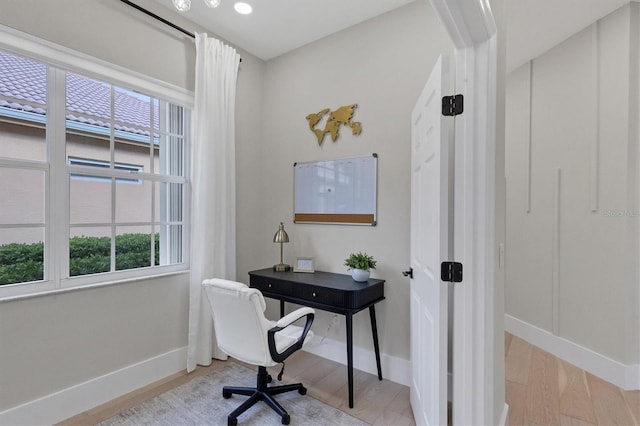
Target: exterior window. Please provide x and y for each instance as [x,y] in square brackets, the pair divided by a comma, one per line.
[92,177]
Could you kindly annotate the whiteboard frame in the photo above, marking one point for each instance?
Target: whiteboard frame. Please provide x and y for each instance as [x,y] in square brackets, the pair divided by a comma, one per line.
[333,218]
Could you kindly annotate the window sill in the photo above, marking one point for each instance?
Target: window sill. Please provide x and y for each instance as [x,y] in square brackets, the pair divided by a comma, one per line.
[74,288]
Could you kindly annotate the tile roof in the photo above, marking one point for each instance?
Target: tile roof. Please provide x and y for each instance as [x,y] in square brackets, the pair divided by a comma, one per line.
[88,101]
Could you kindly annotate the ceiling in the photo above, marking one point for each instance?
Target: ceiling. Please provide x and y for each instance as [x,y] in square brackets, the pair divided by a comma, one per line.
[535,26]
[279,26]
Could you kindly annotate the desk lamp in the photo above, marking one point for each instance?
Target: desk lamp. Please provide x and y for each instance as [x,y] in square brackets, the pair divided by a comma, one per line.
[281,237]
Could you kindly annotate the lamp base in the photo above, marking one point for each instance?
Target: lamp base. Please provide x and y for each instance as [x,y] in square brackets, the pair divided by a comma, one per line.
[281,267]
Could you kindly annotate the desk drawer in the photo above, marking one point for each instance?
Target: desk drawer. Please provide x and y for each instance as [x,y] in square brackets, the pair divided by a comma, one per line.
[267,286]
[319,295]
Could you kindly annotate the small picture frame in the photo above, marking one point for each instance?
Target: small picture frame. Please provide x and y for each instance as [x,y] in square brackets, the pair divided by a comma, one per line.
[304,264]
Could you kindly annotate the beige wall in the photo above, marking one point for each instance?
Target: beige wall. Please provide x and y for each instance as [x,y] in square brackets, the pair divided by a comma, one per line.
[382,65]
[109,30]
[54,342]
[573,248]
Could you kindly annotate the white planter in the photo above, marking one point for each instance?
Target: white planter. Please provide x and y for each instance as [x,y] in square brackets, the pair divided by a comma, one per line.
[359,275]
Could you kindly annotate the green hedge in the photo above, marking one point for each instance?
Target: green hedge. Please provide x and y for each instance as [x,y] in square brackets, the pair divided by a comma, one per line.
[88,255]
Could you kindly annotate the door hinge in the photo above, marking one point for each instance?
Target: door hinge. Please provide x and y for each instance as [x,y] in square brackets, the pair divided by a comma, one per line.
[451,272]
[452,105]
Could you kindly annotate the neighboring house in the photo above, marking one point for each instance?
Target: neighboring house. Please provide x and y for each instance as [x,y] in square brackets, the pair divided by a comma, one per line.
[23,100]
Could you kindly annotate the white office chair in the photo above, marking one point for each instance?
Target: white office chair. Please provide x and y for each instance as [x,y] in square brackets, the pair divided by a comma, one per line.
[244,333]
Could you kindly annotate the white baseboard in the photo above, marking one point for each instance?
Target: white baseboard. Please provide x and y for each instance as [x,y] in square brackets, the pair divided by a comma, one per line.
[624,376]
[81,397]
[633,377]
[393,368]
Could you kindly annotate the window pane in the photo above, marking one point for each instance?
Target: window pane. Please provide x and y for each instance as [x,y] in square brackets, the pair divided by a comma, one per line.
[156,115]
[133,247]
[87,97]
[133,128]
[169,202]
[88,142]
[134,153]
[21,255]
[89,251]
[173,119]
[22,193]
[21,141]
[89,199]
[171,244]
[171,161]
[132,109]
[133,201]
[23,98]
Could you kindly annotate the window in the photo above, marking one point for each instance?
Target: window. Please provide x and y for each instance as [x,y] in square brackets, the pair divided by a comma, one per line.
[92,177]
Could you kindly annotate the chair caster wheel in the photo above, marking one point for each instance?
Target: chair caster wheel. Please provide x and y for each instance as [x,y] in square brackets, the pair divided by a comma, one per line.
[269,378]
[302,391]
[286,419]
[232,421]
[227,395]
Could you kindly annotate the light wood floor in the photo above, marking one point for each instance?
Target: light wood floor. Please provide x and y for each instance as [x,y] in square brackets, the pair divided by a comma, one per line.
[540,390]
[376,402]
[544,390]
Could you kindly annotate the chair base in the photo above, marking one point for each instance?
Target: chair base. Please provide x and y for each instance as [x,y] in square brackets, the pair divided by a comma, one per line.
[261,393]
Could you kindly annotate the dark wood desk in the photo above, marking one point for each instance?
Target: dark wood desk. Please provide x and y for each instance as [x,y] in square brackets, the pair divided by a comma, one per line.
[326,291]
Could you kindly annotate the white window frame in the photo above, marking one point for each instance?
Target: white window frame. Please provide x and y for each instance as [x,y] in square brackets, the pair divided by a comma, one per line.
[56,276]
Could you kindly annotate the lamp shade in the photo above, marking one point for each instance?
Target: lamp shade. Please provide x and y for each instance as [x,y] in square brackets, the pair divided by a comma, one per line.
[281,236]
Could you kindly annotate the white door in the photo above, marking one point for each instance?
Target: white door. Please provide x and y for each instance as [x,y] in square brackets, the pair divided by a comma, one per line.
[429,247]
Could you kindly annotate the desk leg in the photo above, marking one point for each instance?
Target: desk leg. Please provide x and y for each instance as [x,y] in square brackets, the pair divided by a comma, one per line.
[374,331]
[349,318]
[281,308]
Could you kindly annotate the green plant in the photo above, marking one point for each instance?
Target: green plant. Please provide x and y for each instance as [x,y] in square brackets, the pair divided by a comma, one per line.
[21,272]
[360,261]
[21,262]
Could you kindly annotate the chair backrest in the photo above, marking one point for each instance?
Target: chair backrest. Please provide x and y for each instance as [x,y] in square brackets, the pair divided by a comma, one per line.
[239,321]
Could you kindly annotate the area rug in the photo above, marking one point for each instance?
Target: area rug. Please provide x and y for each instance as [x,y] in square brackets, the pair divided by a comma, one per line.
[200,402]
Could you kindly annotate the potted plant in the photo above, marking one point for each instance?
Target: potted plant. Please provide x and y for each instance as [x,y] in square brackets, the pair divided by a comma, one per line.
[360,264]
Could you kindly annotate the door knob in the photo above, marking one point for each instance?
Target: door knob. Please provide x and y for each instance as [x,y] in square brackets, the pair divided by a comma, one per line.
[408,273]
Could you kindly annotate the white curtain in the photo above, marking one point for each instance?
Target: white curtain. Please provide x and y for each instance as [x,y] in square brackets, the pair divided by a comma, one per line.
[213,217]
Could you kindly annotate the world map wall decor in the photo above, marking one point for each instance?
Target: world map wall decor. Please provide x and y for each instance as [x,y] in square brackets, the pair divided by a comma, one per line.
[340,117]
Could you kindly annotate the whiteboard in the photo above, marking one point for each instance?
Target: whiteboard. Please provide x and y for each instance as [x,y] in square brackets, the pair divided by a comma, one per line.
[336,191]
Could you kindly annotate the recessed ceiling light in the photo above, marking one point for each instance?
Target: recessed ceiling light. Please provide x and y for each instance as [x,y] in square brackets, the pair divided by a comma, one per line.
[182,5]
[243,8]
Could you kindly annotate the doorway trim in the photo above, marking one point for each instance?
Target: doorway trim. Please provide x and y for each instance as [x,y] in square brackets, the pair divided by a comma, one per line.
[476,394]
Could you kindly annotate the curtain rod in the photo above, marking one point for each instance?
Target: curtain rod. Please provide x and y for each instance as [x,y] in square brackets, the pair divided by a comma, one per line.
[159,18]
